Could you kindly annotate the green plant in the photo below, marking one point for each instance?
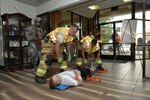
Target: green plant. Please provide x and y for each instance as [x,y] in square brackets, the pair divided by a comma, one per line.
[106,29]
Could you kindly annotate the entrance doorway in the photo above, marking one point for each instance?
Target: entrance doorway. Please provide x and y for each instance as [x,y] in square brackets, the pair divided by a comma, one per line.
[112,46]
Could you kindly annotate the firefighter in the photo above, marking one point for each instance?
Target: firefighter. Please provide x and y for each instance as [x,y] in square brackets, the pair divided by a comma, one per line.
[54,43]
[88,46]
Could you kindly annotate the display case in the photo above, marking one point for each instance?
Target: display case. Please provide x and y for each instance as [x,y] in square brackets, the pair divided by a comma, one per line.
[15,44]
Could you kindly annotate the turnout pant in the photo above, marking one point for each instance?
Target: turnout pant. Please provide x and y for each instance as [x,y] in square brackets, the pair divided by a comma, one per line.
[48,48]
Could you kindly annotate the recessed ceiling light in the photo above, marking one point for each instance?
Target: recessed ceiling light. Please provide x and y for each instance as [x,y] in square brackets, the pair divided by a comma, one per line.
[94,7]
[127,0]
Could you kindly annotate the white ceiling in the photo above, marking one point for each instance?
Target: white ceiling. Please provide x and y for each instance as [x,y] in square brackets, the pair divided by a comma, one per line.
[104,4]
[82,8]
[34,3]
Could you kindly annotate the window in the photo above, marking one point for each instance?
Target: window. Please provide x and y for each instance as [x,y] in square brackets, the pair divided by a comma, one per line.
[121,13]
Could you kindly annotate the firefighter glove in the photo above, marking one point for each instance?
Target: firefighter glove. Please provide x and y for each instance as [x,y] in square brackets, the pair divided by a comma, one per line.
[98,61]
[85,61]
[69,58]
[60,60]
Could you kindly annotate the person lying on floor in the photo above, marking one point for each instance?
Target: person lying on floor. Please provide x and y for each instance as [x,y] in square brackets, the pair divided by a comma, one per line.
[70,77]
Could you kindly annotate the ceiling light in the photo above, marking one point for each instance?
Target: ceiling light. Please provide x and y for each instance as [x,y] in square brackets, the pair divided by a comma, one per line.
[93,7]
[127,0]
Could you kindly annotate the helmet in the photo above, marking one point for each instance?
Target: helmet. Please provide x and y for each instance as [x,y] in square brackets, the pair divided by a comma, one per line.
[37,19]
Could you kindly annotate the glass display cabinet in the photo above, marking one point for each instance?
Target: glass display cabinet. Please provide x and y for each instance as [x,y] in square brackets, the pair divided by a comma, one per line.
[15,44]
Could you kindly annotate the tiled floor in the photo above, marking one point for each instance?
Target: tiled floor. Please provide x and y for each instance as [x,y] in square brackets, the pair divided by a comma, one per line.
[122,82]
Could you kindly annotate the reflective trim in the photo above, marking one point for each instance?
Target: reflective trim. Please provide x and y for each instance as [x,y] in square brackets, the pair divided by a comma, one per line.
[97,46]
[87,43]
[63,67]
[41,70]
[53,36]
[79,63]
[64,30]
[99,62]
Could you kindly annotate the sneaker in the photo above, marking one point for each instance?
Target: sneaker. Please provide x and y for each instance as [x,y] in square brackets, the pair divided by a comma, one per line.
[40,80]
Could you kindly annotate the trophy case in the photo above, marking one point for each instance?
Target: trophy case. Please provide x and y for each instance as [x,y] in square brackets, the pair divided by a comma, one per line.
[15,44]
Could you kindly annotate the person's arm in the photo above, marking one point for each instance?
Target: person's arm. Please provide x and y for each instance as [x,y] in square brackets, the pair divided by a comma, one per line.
[79,78]
[98,55]
[83,54]
[68,48]
[83,48]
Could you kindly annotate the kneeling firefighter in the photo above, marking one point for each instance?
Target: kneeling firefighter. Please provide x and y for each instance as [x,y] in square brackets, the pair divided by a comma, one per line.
[54,43]
[88,46]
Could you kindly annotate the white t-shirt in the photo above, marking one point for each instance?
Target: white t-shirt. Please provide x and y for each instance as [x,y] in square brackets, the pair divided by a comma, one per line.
[60,37]
[68,78]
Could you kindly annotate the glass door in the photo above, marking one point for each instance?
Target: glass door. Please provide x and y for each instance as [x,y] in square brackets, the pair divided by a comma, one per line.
[139,41]
[116,43]
[107,47]
[147,49]
[122,48]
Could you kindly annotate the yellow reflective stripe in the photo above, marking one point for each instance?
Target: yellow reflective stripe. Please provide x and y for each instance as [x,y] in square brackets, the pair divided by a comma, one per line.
[53,36]
[41,70]
[87,40]
[79,63]
[90,38]
[88,50]
[99,61]
[67,37]
[63,67]
[97,46]
[87,43]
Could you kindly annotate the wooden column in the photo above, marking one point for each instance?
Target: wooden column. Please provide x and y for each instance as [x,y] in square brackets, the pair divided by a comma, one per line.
[55,19]
[91,25]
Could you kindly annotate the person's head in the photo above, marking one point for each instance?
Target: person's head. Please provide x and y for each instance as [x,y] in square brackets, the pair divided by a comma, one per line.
[37,21]
[117,34]
[85,33]
[94,42]
[54,81]
[91,33]
[73,29]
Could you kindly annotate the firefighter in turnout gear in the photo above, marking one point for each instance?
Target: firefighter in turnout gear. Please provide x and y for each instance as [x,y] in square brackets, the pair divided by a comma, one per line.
[88,46]
[54,43]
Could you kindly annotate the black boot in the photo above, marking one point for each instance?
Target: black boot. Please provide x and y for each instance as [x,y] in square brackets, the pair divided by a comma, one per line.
[99,67]
[40,80]
[61,70]
[48,62]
